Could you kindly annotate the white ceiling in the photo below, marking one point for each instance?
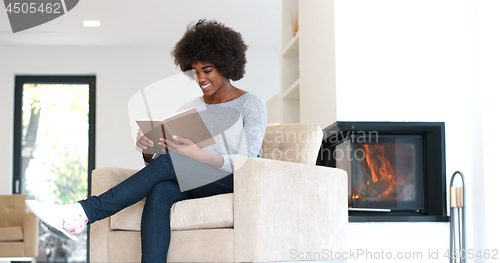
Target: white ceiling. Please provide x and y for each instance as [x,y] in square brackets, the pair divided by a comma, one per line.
[147,23]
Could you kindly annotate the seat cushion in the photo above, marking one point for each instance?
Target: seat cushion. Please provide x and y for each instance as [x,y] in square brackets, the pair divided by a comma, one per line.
[13,233]
[199,213]
[203,213]
[11,249]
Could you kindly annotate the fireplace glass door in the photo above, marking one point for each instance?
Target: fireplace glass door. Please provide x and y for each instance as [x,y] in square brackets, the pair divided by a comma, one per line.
[386,172]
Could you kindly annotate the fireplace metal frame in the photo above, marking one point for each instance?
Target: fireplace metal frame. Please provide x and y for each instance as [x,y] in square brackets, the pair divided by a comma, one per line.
[433,137]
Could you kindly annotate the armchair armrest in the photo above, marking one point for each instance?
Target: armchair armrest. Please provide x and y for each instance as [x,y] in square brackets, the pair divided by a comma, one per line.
[283,208]
[107,177]
[30,235]
[102,180]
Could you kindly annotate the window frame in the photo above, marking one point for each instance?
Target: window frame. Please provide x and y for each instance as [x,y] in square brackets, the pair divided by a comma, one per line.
[20,80]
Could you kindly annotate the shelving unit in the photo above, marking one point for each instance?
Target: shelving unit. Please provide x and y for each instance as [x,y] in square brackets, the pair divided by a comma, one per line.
[290,73]
[307,61]
[292,48]
[292,92]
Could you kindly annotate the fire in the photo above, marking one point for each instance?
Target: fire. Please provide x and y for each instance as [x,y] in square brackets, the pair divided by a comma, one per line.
[385,173]
[380,168]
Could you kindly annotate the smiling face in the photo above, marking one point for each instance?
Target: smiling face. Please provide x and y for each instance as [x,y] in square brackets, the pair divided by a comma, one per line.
[213,84]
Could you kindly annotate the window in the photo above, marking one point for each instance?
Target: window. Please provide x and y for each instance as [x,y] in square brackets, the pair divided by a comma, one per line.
[54,145]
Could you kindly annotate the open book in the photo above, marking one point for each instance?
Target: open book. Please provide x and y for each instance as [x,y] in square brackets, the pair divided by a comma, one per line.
[187,124]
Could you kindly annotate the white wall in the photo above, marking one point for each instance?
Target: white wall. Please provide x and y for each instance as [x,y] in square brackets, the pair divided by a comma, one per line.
[120,72]
[488,54]
[419,61]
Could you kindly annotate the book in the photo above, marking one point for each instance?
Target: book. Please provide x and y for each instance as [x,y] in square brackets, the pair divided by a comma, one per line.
[187,124]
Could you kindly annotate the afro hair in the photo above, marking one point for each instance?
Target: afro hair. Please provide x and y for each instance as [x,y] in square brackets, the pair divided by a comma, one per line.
[212,42]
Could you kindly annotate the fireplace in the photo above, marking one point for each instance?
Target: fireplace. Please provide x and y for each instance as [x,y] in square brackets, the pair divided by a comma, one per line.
[386,171]
[396,170]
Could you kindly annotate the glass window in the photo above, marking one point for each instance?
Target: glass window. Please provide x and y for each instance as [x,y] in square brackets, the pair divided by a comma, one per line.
[53,151]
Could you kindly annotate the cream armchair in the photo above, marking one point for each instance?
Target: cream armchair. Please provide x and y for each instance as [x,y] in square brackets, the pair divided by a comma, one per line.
[18,229]
[283,205]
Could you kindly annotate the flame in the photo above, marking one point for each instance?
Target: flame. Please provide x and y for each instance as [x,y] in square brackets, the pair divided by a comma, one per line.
[380,167]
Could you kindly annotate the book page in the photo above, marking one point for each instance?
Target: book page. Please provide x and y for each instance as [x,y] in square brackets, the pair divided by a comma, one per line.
[188,124]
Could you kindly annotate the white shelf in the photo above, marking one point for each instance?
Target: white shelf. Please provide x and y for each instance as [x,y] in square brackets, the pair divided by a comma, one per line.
[292,48]
[299,60]
[292,92]
[289,68]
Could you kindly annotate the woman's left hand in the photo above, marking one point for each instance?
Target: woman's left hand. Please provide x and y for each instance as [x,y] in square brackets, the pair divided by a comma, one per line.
[186,147]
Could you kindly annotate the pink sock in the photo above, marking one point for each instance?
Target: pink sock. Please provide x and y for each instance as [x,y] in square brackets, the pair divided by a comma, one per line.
[74,218]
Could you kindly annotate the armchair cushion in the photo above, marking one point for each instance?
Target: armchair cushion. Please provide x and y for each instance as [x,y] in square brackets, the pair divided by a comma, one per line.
[18,229]
[202,213]
[298,143]
[11,249]
[13,233]
[12,210]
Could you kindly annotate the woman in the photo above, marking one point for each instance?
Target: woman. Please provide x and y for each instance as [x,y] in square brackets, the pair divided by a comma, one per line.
[215,54]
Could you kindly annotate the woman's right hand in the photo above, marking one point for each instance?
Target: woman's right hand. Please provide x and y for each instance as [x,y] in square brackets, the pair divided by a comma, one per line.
[142,141]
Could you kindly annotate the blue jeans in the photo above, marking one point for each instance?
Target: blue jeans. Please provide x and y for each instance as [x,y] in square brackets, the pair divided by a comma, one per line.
[158,183]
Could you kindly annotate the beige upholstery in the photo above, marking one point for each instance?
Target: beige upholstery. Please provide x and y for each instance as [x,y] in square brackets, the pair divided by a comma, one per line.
[297,143]
[204,213]
[18,229]
[128,219]
[279,206]
[280,202]
[13,233]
